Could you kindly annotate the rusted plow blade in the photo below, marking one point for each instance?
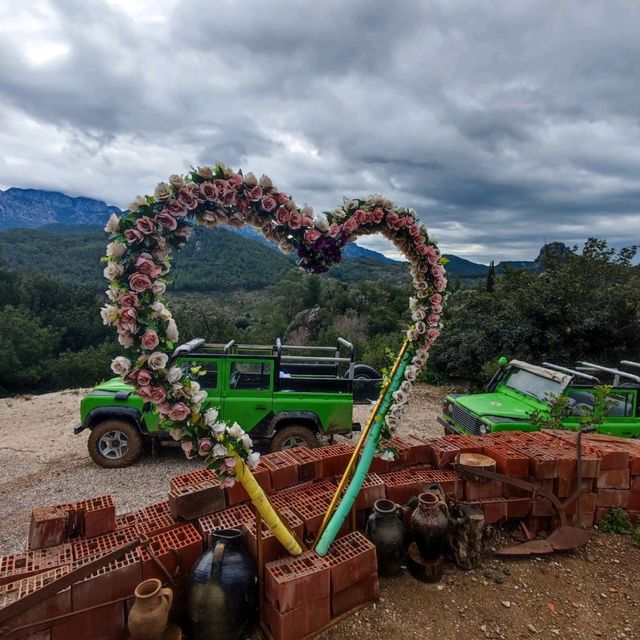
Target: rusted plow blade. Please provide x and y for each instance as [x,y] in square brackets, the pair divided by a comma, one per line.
[562,539]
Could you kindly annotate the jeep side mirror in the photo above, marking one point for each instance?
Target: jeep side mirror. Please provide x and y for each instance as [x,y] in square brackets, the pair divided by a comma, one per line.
[503,362]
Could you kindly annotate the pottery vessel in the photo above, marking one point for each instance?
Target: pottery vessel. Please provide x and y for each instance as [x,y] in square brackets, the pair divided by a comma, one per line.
[430,523]
[150,611]
[223,592]
[386,531]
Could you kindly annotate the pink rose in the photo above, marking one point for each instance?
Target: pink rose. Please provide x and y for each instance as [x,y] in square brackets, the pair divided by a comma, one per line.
[408,221]
[128,314]
[254,193]
[230,462]
[334,230]
[229,198]
[187,447]
[282,197]
[377,215]
[436,298]
[204,445]
[432,334]
[144,392]
[282,216]
[175,208]
[311,235]
[392,218]
[433,320]
[236,180]
[186,198]
[295,220]
[350,226]
[139,282]
[126,327]
[421,250]
[166,220]
[142,377]
[436,308]
[268,204]
[150,340]
[179,412]
[128,300]
[146,265]
[221,187]
[228,482]
[399,223]
[437,271]
[361,216]
[441,284]
[146,225]
[242,206]
[414,229]
[306,221]
[157,395]
[164,408]
[209,191]
[133,235]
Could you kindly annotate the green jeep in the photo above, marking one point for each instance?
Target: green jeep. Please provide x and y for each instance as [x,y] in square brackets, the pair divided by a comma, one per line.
[519,389]
[283,395]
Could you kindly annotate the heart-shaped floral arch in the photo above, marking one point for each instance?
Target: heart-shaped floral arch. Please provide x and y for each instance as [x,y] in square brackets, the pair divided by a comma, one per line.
[139,258]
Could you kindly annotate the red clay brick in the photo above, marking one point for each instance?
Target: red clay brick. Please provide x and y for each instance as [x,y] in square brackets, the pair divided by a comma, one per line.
[271,548]
[22,565]
[56,605]
[308,463]
[237,494]
[351,558]
[299,622]
[302,493]
[334,459]
[634,501]
[613,479]
[421,452]
[98,624]
[476,490]
[127,520]
[283,469]
[97,516]
[542,507]
[192,479]
[362,592]
[379,466]
[443,452]
[614,498]
[185,539]
[191,502]
[232,518]
[100,545]
[494,509]
[157,509]
[156,524]
[509,461]
[296,581]
[518,508]
[565,487]
[635,483]
[115,580]
[48,527]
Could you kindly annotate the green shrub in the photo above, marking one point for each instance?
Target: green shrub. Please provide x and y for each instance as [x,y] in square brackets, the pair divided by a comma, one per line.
[616,521]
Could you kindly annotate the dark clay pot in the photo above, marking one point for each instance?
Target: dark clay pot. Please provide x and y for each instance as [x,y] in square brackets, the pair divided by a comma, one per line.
[223,591]
[430,522]
[386,531]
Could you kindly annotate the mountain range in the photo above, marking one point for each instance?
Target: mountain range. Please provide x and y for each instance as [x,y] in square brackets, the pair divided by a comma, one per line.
[54,212]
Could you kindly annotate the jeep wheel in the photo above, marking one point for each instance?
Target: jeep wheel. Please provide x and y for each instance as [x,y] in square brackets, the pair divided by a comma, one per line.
[293,436]
[115,443]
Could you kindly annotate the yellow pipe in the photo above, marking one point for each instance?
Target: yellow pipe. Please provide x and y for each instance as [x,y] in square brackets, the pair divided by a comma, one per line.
[346,476]
[262,504]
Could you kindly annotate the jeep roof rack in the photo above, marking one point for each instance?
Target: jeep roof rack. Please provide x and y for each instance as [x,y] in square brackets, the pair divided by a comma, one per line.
[630,363]
[617,374]
[573,372]
[187,347]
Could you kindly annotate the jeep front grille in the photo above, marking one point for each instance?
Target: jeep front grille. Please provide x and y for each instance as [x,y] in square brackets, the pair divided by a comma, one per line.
[466,420]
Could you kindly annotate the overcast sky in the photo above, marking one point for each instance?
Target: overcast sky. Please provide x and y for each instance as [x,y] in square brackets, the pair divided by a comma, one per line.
[502,123]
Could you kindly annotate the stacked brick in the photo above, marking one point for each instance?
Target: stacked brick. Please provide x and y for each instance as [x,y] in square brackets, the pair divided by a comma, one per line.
[301,484]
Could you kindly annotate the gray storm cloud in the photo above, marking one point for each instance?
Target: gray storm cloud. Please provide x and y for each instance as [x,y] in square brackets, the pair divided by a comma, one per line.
[503,123]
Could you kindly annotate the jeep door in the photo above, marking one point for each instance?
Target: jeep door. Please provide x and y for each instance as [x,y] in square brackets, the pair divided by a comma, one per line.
[248,392]
[206,372]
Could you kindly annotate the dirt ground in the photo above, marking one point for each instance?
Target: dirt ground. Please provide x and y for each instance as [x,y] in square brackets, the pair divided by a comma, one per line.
[594,593]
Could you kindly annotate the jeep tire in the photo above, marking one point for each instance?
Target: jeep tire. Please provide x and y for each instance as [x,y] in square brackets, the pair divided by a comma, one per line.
[115,443]
[293,436]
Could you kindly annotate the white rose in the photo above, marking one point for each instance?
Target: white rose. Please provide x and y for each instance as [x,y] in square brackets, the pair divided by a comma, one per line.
[125,341]
[194,387]
[176,181]
[121,366]
[210,416]
[236,431]
[109,314]
[265,182]
[406,386]
[174,374]
[321,223]
[387,455]
[177,433]
[246,441]
[219,428]
[253,460]
[158,360]
[220,451]
[113,270]
[159,287]
[199,397]
[352,204]
[418,314]
[113,224]
[116,249]
[250,180]
[137,203]
[410,373]
[399,396]
[339,213]
[162,191]
[172,330]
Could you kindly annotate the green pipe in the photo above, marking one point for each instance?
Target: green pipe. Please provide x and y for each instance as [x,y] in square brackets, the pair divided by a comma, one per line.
[335,524]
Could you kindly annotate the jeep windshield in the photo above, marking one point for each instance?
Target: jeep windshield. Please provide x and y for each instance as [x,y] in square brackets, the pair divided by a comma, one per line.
[532,385]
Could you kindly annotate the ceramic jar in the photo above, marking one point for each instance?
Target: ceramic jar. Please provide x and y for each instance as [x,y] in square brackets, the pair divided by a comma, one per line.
[150,611]
[386,531]
[430,523]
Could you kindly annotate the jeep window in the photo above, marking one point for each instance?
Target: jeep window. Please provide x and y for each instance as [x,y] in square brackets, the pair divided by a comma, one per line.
[532,385]
[207,381]
[249,375]
[619,405]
